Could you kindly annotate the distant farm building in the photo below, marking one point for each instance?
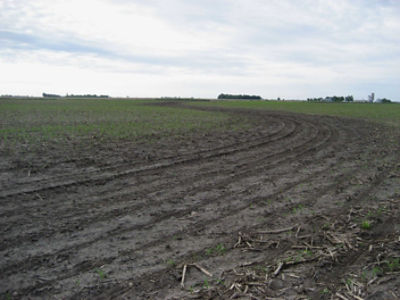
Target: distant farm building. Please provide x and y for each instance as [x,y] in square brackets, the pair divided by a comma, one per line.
[371,97]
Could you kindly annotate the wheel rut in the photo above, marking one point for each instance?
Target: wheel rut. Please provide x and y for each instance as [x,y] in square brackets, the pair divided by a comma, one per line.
[177,207]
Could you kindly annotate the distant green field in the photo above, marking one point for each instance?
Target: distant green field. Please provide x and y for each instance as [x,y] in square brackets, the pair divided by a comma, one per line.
[383,113]
[39,121]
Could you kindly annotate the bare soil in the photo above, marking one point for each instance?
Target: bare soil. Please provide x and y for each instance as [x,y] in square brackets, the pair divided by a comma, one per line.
[297,207]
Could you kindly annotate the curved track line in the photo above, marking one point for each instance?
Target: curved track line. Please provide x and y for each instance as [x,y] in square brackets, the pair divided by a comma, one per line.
[307,149]
[68,180]
[178,214]
[204,224]
[252,169]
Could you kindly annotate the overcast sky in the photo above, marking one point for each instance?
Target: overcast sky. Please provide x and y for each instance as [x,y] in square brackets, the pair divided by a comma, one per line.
[274,48]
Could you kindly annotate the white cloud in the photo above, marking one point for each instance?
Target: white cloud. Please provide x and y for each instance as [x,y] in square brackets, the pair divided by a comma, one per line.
[201,48]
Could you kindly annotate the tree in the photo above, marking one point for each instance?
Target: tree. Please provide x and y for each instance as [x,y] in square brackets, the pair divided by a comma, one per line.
[337,99]
[245,97]
[349,98]
[50,95]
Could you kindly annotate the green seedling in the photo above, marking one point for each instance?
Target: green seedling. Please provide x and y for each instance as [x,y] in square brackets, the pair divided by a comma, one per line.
[364,276]
[366,225]
[288,259]
[218,250]
[393,264]
[209,251]
[170,262]
[206,284]
[297,208]
[325,291]
[349,282]
[307,252]
[300,256]
[101,273]
[261,269]
[376,271]
[326,226]
[375,213]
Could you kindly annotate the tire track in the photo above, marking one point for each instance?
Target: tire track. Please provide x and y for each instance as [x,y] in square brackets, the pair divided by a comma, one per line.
[254,168]
[114,172]
[340,178]
[138,187]
[275,136]
[325,143]
[164,216]
[119,288]
[16,212]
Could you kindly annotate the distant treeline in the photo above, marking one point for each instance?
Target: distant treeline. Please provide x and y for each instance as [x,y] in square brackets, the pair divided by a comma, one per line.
[333,99]
[246,97]
[176,98]
[384,100]
[18,96]
[51,95]
[45,95]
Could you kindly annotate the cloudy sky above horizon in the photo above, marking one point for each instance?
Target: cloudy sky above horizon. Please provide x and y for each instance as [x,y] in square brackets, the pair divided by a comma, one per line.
[148,48]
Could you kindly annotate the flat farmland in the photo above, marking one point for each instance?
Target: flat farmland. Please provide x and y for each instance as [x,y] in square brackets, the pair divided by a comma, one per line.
[132,199]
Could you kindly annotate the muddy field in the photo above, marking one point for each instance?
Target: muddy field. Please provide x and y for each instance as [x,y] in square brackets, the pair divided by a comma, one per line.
[297,207]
